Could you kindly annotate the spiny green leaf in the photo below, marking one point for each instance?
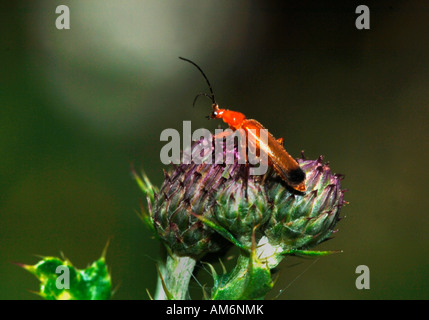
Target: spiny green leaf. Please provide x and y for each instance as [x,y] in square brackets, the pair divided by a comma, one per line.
[60,280]
[250,279]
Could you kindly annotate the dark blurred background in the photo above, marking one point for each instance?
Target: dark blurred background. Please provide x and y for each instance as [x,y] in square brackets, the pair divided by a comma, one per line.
[79,106]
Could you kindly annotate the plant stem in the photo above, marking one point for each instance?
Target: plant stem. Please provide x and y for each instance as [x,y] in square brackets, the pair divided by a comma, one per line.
[176,274]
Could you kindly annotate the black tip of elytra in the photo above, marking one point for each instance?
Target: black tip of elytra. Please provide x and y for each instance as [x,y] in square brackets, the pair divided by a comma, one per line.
[296,176]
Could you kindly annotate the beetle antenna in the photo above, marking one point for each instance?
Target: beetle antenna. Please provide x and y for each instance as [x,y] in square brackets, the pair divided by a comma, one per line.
[211,96]
[205,95]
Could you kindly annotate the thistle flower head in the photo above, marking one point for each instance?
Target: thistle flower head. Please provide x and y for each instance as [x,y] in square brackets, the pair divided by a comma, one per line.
[198,202]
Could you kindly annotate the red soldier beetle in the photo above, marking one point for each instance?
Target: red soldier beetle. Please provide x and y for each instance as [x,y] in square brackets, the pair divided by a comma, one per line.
[283,164]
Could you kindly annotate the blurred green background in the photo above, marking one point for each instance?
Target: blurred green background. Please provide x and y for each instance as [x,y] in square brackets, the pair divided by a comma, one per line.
[79,106]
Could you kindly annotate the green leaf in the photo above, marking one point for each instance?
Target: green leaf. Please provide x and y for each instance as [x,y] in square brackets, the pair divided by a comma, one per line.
[250,279]
[60,280]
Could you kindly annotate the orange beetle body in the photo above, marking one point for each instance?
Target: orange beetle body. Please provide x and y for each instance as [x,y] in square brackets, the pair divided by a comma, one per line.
[283,164]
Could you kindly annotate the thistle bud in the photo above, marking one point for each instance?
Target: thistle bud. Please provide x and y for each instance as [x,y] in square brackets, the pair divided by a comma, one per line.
[300,221]
[240,206]
[189,191]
